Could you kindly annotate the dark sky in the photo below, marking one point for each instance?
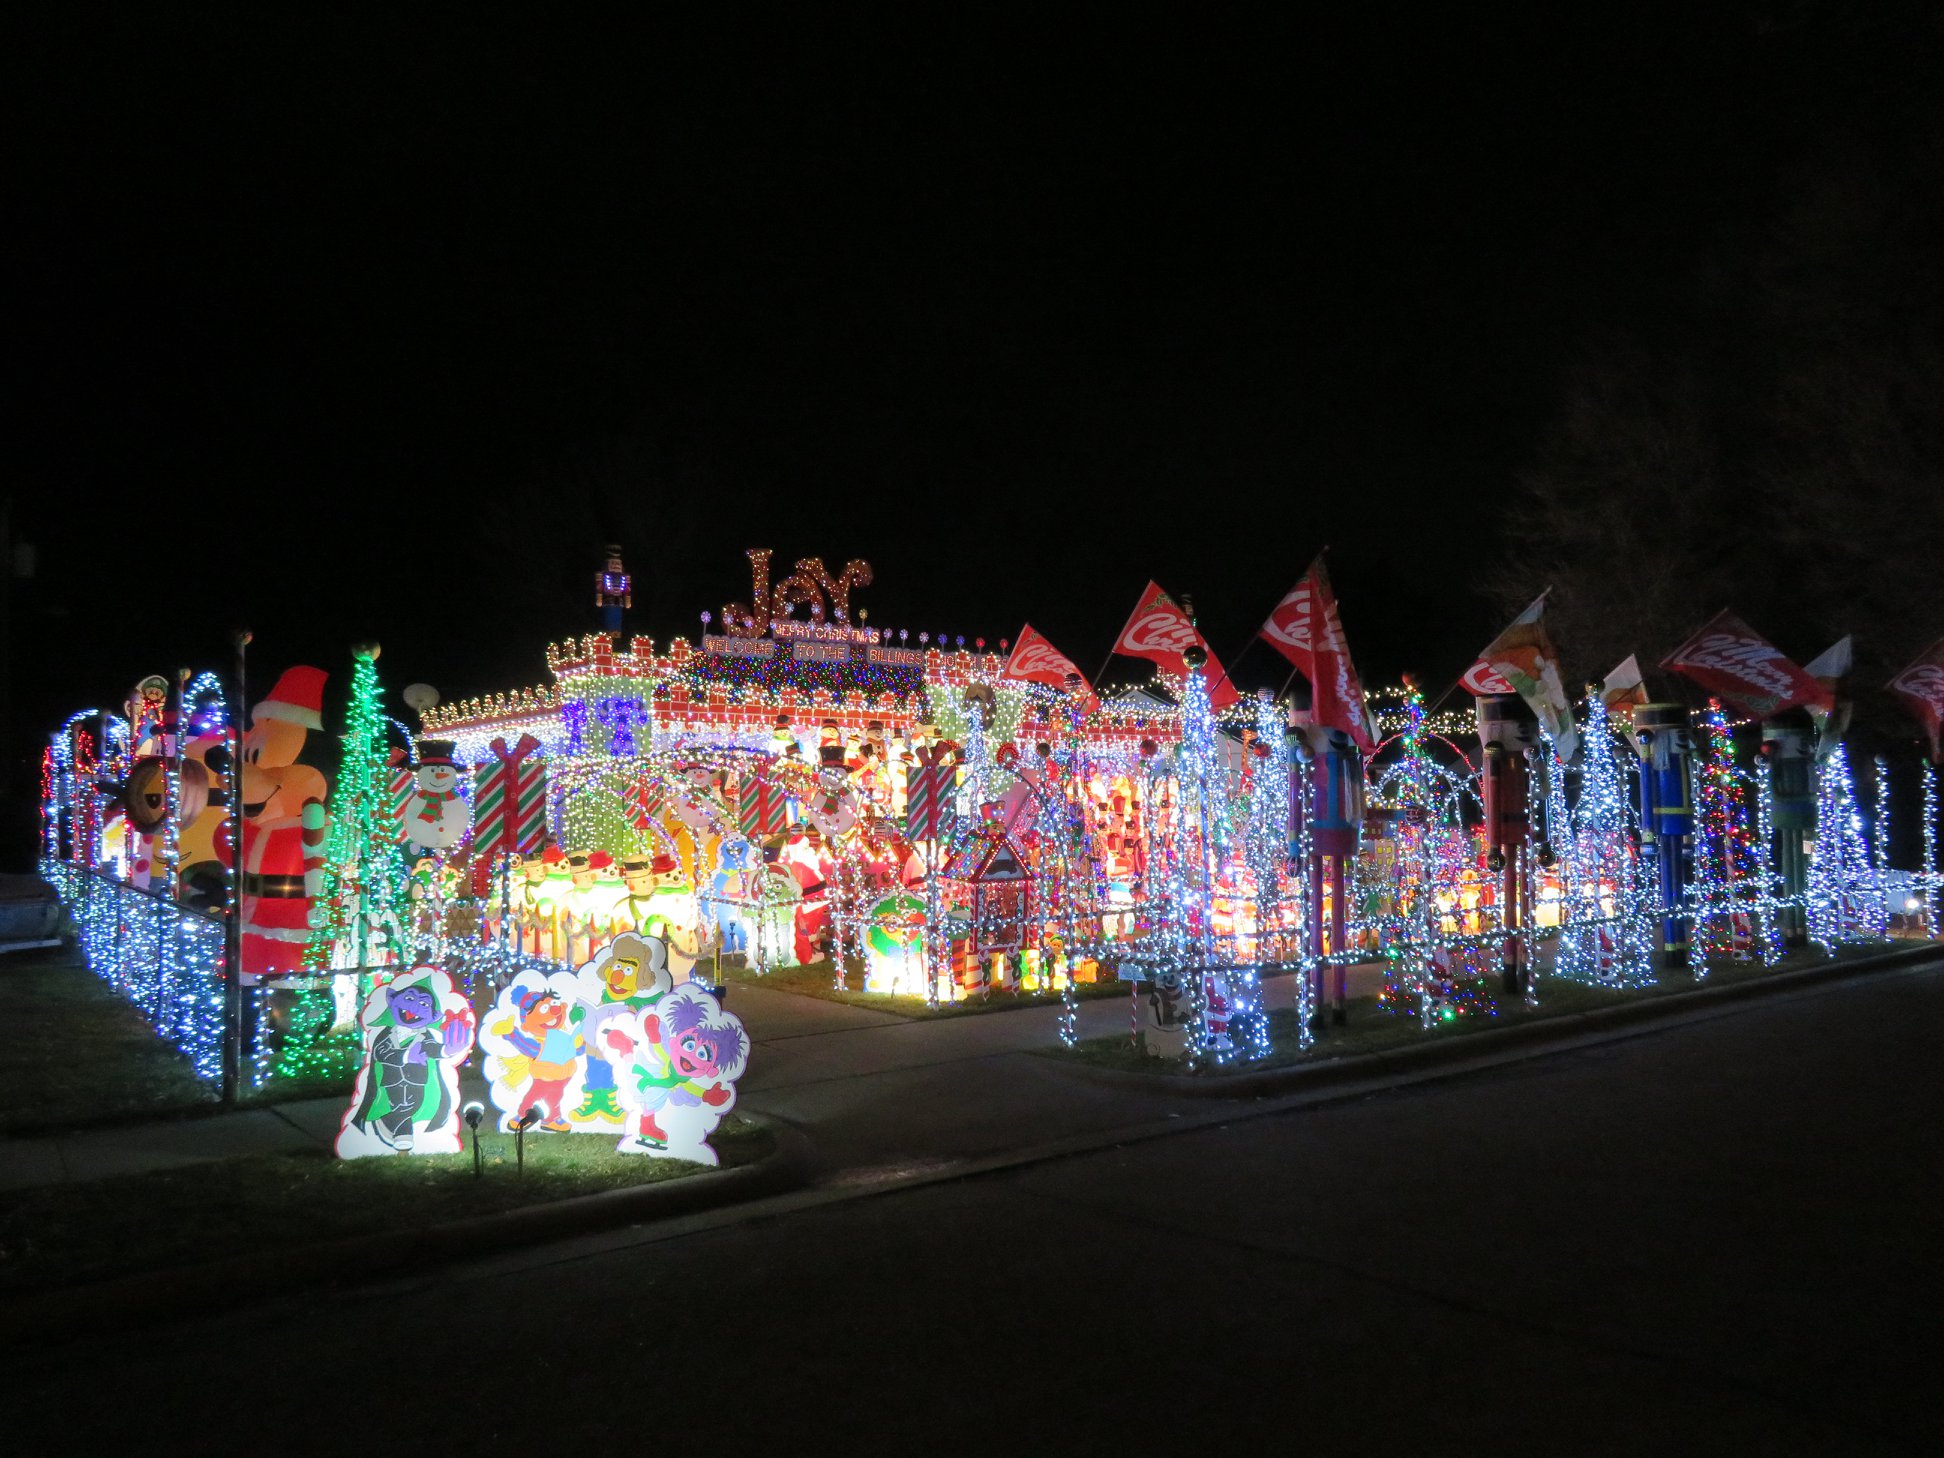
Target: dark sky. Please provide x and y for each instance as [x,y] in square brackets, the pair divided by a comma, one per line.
[381,326]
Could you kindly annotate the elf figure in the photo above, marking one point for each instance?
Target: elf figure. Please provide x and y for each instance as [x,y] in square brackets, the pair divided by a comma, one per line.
[435,818]
[417,1030]
[678,1063]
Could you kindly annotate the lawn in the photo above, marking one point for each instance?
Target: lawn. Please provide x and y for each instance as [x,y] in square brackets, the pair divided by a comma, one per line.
[814,979]
[1370,1029]
[78,1053]
[61,1235]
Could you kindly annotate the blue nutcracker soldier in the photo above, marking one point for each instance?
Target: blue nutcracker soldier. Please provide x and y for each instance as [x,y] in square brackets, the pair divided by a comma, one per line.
[1667,812]
[1788,744]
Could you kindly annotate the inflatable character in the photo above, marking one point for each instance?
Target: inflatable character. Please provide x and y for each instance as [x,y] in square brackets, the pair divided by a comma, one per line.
[279,876]
[533,1047]
[417,1030]
[631,972]
[677,1062]
[203,850]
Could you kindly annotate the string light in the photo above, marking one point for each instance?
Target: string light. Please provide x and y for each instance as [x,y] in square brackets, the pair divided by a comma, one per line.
[1846,902]
[1421,896]
[1730,895]
[359,910]
[1607,904]
[1930,879]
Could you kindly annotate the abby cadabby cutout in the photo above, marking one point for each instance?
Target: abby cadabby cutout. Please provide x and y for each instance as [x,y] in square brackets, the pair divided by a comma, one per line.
[418,1028]
[676,1063]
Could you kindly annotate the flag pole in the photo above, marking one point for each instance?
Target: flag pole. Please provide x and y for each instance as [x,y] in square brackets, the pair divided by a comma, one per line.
[1536,602]
[1256,636]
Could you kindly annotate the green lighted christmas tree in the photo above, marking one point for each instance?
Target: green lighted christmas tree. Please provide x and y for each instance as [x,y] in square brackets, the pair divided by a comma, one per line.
[358,911]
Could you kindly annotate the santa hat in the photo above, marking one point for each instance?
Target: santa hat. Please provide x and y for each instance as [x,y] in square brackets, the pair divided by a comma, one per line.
[437,751]
[298,698]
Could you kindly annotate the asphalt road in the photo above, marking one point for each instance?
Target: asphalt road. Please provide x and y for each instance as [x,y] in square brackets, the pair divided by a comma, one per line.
[1720,1236]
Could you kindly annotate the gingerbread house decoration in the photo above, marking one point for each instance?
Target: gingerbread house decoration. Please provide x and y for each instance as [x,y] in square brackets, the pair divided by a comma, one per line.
[993,870]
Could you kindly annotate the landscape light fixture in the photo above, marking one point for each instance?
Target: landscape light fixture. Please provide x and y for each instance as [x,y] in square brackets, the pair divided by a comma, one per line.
[475,1112]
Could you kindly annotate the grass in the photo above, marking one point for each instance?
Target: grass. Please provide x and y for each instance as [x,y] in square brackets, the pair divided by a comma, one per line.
[76,1052]
[1369,1029]
[79,1054]
[814,979]
[63,1235]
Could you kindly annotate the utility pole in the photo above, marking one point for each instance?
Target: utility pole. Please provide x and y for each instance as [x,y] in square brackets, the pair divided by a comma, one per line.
[233,923]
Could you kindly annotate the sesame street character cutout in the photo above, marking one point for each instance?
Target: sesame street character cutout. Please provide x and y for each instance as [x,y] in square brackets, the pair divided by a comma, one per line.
[279,877]
[677,1062]
[417,1030]
[435,818]
[628,974]
[533,1047]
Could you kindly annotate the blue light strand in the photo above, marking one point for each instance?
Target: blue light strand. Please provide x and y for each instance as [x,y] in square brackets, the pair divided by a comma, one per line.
[1846,901]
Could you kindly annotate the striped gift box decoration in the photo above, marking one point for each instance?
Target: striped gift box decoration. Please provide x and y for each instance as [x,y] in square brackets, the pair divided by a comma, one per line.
[510,800]
[643,800]
[930,809]
[399,785]
[530,804]
[762,807]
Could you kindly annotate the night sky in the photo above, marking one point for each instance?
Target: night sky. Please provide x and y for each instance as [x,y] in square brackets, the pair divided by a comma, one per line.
[381,327]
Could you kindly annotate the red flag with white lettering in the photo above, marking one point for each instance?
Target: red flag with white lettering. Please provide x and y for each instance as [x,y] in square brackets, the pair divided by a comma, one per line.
[1034,660]
[1306,629]
[1160,632]
[1732,660]
[1482,679]
[1037,661]
[1921,686]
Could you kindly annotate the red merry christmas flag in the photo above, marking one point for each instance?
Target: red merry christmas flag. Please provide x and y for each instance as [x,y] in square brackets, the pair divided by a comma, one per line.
[1921,686]
[1160,632]
[1306,630]
[1730,659]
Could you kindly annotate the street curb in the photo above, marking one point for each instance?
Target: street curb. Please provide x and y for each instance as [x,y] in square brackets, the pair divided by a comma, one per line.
[121,1302]
[1490,1041]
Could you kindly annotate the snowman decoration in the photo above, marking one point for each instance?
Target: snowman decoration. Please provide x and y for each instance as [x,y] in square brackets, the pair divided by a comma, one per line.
[435,818]
[834,806]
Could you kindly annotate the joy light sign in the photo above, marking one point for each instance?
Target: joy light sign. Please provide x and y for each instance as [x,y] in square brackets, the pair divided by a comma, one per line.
[810,585]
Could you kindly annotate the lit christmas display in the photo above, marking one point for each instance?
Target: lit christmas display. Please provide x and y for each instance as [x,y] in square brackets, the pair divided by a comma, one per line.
[925,819]
[1846,901]
[1731,887]
[1607,901]
[1422,891]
